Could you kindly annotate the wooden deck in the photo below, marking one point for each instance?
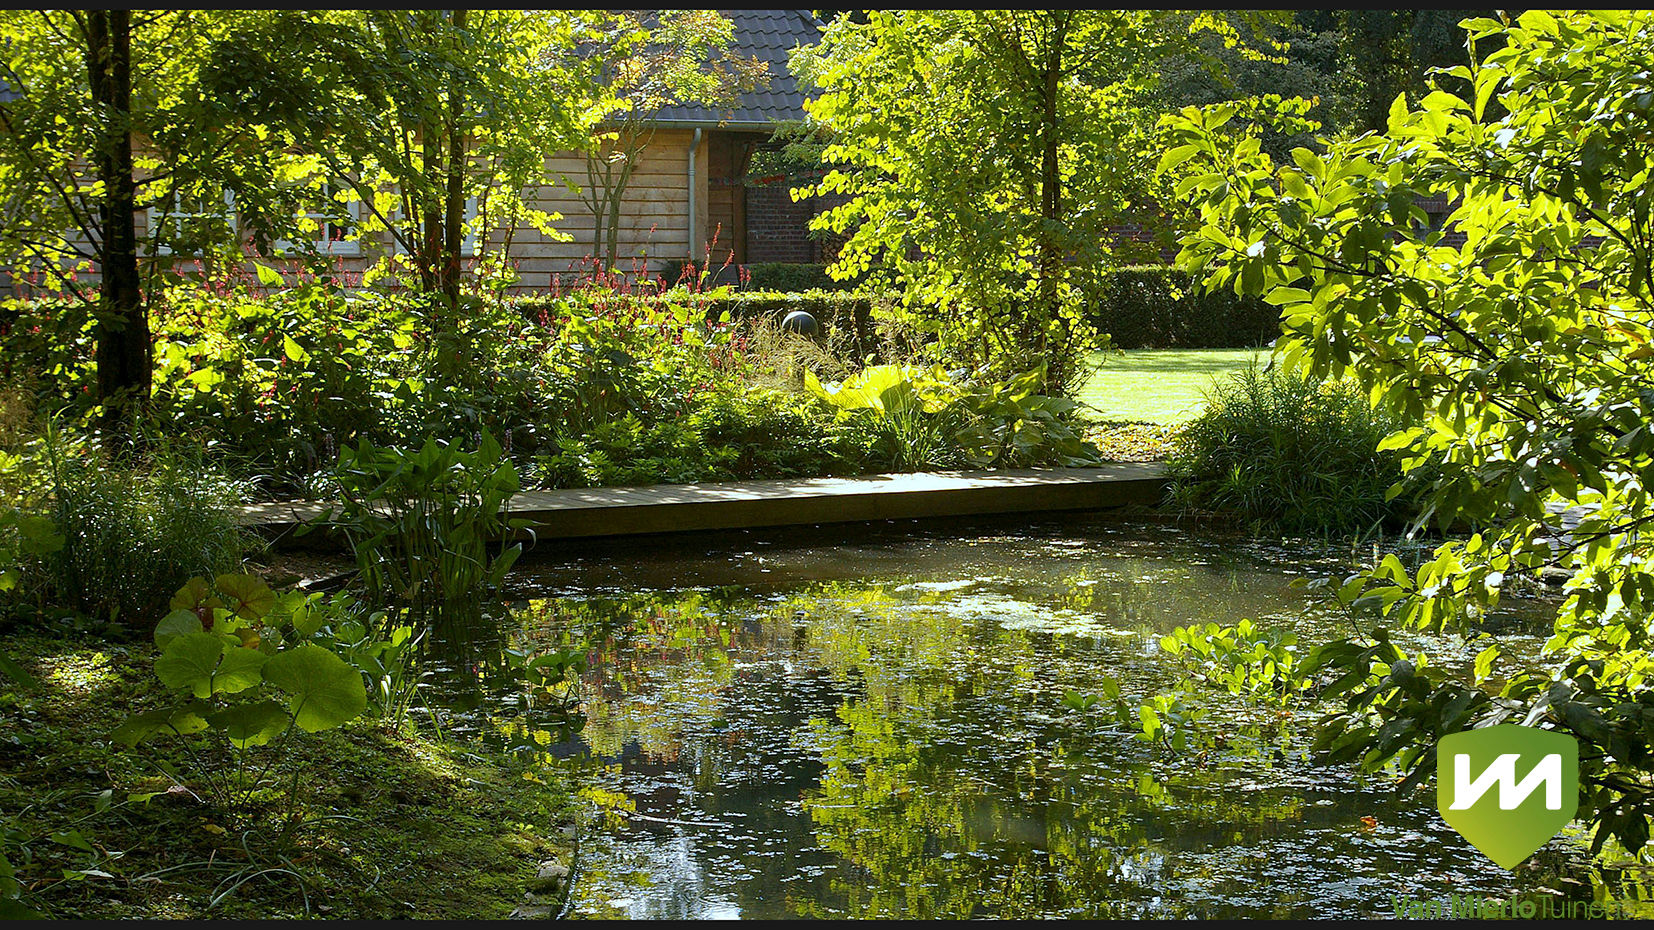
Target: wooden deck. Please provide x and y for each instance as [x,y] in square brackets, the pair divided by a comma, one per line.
[670,508]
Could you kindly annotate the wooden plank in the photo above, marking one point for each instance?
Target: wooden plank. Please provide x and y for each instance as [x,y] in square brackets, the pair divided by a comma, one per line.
[594,512]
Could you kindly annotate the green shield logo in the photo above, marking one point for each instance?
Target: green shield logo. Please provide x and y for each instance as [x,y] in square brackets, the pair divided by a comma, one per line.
[1507,789]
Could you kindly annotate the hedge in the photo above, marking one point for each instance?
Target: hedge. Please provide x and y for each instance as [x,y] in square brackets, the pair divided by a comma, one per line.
[846,317]
[786,277]
[1159,307]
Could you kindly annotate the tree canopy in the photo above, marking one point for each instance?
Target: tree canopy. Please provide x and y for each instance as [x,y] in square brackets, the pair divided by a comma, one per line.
[1521,355]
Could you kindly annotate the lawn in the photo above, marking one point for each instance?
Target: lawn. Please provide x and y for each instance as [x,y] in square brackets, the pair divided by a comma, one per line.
[1159,385]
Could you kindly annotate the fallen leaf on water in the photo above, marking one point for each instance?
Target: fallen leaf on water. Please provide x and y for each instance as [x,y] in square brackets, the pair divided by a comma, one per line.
[1369,822]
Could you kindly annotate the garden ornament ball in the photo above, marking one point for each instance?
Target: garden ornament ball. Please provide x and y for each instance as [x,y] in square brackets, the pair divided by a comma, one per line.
[800,322]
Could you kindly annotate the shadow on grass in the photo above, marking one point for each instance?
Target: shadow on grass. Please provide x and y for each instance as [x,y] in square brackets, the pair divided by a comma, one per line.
[401,825]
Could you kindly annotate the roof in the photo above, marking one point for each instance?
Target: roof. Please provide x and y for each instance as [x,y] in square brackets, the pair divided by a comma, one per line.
[769,35]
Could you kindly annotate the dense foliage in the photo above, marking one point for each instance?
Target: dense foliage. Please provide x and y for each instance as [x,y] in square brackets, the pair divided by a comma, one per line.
[981,157]
[1289,454]
[591,387]
[1159,307]
[112,541]
[1519,359]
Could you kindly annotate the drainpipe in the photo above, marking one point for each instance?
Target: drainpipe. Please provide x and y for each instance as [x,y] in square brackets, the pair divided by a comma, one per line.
[694,148]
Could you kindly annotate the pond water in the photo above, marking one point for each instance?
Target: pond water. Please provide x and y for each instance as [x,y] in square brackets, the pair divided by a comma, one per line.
[785,726]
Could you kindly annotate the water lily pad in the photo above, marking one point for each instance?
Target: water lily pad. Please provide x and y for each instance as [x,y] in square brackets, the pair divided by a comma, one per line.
[325,690]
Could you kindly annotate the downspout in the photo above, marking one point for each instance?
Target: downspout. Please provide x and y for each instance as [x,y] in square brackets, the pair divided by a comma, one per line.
[694,149]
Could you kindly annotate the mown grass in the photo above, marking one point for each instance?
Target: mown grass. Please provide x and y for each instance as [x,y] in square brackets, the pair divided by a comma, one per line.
[1164,386]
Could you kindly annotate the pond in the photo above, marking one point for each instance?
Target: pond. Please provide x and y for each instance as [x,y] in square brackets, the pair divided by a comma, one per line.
[791,726]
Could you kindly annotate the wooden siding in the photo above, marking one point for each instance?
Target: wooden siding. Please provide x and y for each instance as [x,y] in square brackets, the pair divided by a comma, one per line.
[654,228]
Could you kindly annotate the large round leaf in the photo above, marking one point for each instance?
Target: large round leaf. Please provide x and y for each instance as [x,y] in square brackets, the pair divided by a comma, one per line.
[239,671]
[188,663]
[194,595]
[250,724]
[325,690]
[176,624]
[180,720]
[251,598]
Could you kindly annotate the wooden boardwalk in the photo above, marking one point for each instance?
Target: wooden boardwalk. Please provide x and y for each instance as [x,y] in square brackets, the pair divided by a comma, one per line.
[670,508]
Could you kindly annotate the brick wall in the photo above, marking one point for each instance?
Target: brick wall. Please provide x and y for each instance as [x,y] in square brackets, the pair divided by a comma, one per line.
[778,229]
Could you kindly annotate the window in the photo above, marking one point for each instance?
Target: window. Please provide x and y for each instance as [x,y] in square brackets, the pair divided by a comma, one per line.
[473,229]
[188,222]
[336,235]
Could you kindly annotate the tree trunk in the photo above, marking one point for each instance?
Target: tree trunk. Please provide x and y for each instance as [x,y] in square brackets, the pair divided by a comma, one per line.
[123,350]
[454,195]
[1050,260]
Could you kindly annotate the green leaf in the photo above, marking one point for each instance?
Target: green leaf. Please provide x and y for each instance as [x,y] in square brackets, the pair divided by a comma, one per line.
[188,663]
[252,598]
[250,724]
[180,720]
[17,673]
[293,350]
[308,617]
[239,671]
[72,839]
[194,594]
[1176,156]
[176,624]
[267,276]
[325,691]
[13,909]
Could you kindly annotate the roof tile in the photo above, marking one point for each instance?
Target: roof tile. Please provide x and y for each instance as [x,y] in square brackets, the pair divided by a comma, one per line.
[770,35]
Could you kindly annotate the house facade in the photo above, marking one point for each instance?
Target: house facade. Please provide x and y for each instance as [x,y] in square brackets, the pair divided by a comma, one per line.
[688,199]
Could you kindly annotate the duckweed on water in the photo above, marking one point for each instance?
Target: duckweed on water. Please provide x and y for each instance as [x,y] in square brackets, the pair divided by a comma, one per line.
[879,729]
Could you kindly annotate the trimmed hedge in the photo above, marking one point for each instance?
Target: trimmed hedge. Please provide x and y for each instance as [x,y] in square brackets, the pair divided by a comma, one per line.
[846,317]
[783,277]
[1159,307]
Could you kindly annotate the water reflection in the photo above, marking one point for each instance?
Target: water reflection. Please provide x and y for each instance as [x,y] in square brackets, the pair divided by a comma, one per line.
[876,730]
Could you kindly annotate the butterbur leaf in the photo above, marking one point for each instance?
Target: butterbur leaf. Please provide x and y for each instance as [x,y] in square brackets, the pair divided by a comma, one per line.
[325,691]
[239,671]
[176,624]
[194,595]
[13,909]
[307,618]
[188,663]
[250,724]
[251,598]
[180,720]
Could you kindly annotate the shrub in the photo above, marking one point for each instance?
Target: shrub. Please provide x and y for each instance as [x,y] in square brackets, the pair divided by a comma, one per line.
[909,418]
[1157,307]
[1289,454]
[727,437]
[113,542]
[248,670]
[422,523]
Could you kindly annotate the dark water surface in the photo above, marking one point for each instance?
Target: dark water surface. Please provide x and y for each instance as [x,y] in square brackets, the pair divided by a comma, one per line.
[876,728]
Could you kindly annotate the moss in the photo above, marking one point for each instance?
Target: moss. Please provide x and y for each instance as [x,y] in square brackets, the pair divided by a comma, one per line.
[398,824]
